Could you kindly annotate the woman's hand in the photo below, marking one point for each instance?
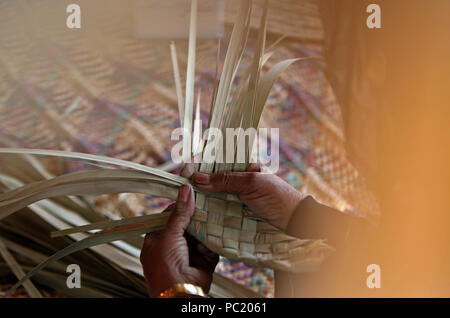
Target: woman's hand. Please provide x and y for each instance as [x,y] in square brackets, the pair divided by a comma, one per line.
[267,195]
[172,256]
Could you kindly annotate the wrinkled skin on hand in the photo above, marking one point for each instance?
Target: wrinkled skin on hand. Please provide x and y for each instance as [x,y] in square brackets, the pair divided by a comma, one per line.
[267,195]
[172,256]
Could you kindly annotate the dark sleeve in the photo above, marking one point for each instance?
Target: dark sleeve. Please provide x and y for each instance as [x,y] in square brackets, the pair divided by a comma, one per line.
[343,270]
[313,220]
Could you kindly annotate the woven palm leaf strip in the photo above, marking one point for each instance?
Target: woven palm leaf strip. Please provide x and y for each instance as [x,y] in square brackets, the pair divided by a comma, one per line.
[97,282]
[221,222]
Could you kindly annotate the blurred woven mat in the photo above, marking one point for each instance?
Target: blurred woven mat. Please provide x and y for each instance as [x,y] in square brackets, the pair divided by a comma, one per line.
[101,90]
[294,18]
[21,292]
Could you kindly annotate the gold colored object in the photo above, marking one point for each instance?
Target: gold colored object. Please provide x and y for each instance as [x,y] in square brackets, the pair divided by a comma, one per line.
[223,228]
[182,290]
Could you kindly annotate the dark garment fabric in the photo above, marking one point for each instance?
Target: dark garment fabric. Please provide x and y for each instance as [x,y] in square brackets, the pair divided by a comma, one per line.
[393,86]
[343,271]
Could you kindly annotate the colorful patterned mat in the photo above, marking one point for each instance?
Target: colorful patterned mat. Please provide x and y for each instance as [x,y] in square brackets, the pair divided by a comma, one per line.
[103,91]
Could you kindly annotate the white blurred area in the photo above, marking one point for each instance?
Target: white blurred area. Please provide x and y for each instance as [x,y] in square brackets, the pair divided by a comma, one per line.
[170,18]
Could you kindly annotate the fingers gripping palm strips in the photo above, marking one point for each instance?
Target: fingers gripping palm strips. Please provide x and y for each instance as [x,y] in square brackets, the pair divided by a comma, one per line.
[228,230]
[237,235]
[220,221]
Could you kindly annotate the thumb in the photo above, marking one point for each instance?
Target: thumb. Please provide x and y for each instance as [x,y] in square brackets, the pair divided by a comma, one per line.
[189,169]
[232,182]
[184,209]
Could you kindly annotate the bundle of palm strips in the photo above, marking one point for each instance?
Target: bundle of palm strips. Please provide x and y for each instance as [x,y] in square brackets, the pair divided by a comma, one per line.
[220,221]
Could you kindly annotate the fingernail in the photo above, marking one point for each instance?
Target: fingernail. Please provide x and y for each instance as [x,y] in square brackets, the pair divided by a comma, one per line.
[201,178]
[183,193]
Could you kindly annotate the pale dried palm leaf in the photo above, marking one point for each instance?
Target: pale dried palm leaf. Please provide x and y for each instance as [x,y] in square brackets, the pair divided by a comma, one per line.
[18,271]
[220,221]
